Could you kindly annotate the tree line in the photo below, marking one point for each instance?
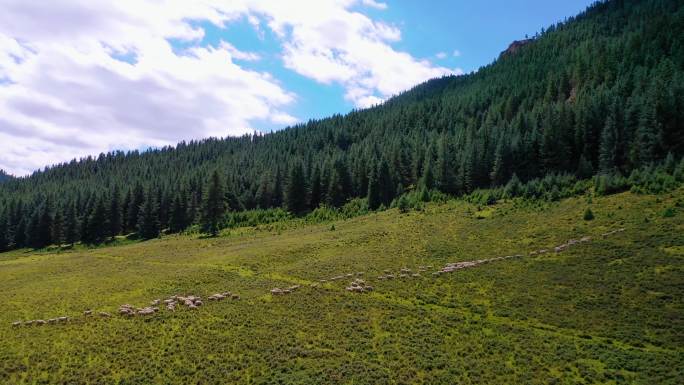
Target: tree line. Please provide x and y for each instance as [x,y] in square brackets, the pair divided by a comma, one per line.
[600,93]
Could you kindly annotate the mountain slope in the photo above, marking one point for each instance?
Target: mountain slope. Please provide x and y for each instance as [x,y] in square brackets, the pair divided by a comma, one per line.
[601,312]
[602,92]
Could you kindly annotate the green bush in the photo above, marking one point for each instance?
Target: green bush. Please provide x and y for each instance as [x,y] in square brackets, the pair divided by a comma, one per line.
[669,212]
[588,214]
[403,204]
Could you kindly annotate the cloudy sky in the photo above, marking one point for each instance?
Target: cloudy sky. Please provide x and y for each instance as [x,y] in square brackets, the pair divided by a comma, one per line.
[80,77]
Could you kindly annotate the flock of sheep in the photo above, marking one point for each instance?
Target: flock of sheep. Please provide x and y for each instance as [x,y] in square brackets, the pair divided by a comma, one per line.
[358,285]
[191,302]
[279,291]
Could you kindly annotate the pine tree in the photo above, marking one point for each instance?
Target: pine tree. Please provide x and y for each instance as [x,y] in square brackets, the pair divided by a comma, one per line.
[584,168]
[444,170]
[277,195]
[58,228]
[428,176]
[373,195]
[386,187]
[97,224]
[20,233]
[608,148]
[232,201]
[44,235]
[137,199]
[178,220]
[124,212]
[194,208]
[148,221]
[647,141]
[71,225]
[263,195]
[316,189]
[5,236]
[213,206]
[164,204]
[295,195]
[340,184]
[114,219]
[32,230]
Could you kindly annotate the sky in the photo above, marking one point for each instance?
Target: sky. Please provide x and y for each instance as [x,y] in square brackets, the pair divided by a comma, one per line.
[81,77]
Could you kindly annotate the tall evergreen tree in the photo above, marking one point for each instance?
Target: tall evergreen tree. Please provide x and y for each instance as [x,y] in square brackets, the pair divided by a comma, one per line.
[295,194]
[20,237]
[58,227]
[114,219]
[97,224]
[44,236]
[609,143]
[33,238]
[340,184]
[213,206]
[148,221]
[124,212]
[316,189]
[137,199]
[179,216]
[5,236]
[445,166]
[386,187]
[71,225]
[373,195]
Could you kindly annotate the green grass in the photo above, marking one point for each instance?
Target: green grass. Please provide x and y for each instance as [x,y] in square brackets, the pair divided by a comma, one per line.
[610,311]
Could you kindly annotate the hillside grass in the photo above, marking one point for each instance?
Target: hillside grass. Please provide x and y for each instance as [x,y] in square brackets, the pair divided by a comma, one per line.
[610,311]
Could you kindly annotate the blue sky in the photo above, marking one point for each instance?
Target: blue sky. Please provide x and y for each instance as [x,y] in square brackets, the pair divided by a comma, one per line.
[79,78]
[453,33]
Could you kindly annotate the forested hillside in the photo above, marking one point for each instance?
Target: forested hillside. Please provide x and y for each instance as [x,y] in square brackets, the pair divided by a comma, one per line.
[4,176]
[602,93]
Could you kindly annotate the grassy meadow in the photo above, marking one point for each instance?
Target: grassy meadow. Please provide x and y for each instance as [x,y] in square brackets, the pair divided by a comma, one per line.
[610,311]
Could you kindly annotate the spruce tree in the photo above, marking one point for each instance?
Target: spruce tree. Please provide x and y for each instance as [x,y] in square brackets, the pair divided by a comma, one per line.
[148,221]
[137,199]
[178,220]
[316,189]
[608,148]
[20,233]
[584,168]
[295,193]
[277,194]
[97,225]
[444,170]
[58,228]
[71,225]
[32,230]
[386,187]
[114,219]
[44,235]
[373,194]
[263,195]
[124,212]
[340,184]
[213,206]
[647,141]
[5,236]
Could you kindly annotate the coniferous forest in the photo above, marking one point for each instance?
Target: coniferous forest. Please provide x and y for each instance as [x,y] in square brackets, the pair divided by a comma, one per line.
[598,95]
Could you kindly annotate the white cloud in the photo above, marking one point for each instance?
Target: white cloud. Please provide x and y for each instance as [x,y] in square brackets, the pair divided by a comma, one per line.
[441,55]
[65,91]
[78,77]
[326,41]
[374,4]
[457,53]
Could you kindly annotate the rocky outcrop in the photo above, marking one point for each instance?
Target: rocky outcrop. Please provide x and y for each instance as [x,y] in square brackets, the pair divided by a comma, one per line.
[515,46]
